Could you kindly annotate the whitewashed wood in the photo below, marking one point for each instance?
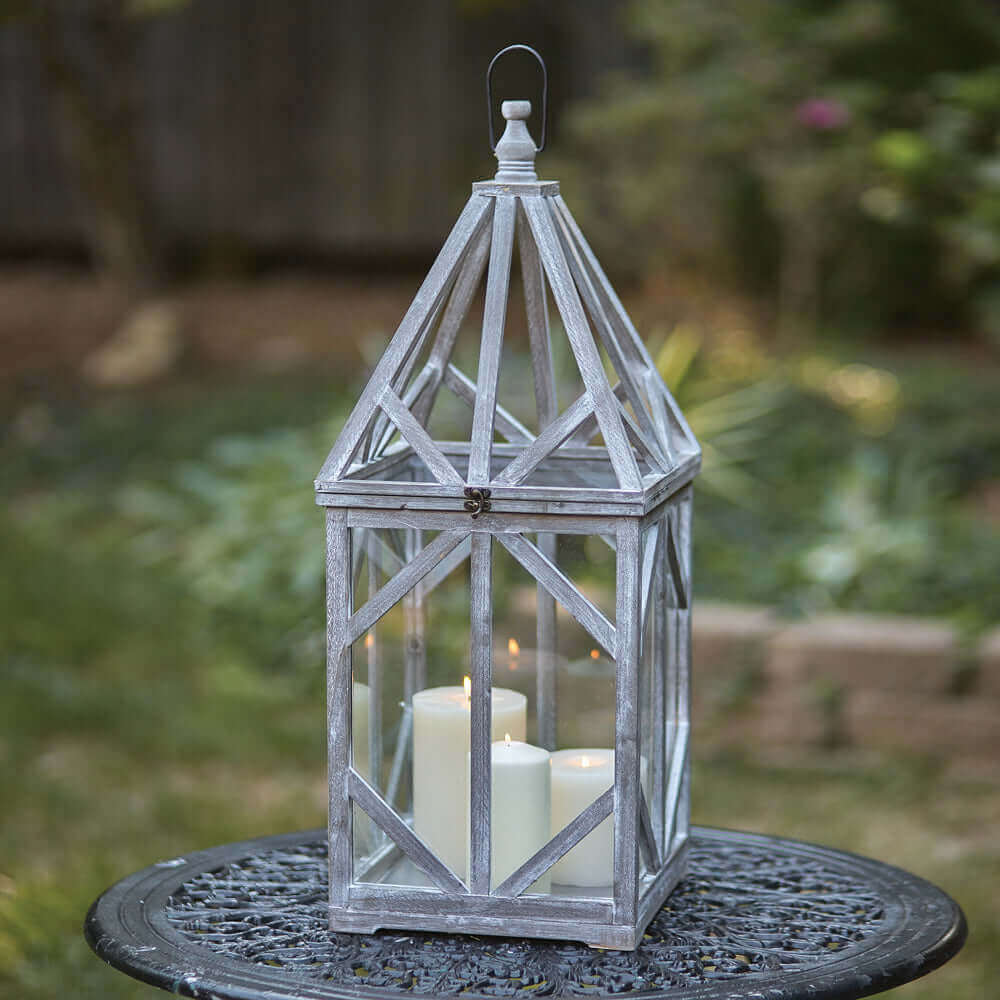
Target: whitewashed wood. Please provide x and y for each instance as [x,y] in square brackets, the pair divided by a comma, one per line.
[481,668]
[474,216]
[582,342]
[383,429]
[566,839]
[661,418]
[403,836]
[338,702]
[547,442]
[536,308]
[406,579]
[562,589]
[465,389]
[451,323]
[627,788]
[423,444]
[494,319]
[645,443]
[414,618]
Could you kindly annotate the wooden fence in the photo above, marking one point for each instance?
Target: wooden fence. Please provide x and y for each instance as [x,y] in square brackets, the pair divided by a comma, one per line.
[318,126]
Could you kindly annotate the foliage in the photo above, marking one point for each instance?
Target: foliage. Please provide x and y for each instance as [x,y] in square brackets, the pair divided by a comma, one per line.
[838,157]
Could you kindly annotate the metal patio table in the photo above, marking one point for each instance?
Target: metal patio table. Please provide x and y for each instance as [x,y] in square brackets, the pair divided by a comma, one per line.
[757,917]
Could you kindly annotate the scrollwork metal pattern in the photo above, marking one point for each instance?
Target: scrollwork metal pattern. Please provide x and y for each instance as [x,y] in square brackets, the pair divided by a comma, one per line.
[742,910]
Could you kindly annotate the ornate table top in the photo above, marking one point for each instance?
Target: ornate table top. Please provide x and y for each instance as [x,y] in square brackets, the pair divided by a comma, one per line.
[758,917]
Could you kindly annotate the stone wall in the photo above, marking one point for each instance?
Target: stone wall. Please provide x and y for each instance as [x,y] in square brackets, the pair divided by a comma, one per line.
[869,683]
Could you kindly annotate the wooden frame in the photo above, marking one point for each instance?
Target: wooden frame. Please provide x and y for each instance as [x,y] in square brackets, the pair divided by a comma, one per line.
[388,483]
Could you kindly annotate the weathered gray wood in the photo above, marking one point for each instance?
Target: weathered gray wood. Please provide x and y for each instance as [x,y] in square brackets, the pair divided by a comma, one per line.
[494,319]
[644,442]
[473,217]
[451,323]
[647,838]
[377,439]
[401,754]
[582,341]
[562,589]
[547,442]
[535,912]
[465,389]
[481,667]
[414,620]
[546,641]
[403,836]
[623,322]
[627,788]
[406,579]
[589,428]
[674,869]
[650,553]
[513,506]
[492,523]
[383,429]
[446,566]
[676,566]
[661,418]
[678,770]
[663,680]
[626,368]
[423,444]
[338,702]
[565,840]
[533,280]
[374,678]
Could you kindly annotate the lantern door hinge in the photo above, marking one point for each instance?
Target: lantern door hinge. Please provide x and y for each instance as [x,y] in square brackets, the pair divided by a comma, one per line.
[478,500]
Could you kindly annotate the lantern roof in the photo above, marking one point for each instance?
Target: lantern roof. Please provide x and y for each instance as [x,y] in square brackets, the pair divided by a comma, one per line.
[619,445]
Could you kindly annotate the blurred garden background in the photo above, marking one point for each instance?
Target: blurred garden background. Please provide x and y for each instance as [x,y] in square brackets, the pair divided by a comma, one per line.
[213,213]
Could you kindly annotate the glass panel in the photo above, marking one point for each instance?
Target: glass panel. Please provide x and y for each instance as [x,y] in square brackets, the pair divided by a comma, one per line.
[553,652]
[421,642]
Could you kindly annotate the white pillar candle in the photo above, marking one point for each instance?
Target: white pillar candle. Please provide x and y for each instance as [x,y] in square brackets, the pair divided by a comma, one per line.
[519,809]
[441,743]
[578,778]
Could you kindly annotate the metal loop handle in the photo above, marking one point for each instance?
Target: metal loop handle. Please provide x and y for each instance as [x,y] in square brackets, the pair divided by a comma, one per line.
[489,93]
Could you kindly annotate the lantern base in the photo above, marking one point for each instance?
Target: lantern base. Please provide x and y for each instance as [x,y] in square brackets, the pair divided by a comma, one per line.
[590,920]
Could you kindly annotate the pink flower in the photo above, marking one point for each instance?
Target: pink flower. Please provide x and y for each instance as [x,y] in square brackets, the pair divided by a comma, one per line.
[823,114]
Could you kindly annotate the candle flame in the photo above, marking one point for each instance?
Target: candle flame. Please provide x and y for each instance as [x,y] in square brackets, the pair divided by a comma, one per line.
[506,739]
[584,761]
[595,654]
[369,641]
[513,647]
[467,684]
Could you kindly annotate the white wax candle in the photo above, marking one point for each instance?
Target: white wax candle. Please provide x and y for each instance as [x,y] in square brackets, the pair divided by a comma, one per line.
[441,742]
[519,809]
[578,778]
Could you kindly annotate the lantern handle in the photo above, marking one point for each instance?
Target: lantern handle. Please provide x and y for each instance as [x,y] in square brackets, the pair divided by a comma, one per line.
[489,93]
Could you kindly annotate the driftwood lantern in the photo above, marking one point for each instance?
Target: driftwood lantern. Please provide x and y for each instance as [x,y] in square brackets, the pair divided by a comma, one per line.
[479,785]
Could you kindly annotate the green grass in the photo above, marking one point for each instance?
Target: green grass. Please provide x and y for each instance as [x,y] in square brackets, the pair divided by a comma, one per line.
[161,609]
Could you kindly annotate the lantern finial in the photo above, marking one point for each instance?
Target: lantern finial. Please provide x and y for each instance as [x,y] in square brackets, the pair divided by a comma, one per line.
[515,151]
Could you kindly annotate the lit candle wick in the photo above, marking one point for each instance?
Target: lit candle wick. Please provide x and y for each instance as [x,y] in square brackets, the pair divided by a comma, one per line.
[506,740]
[369,641]
[595,654]
[467,683]
[513,647]
[584,761]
